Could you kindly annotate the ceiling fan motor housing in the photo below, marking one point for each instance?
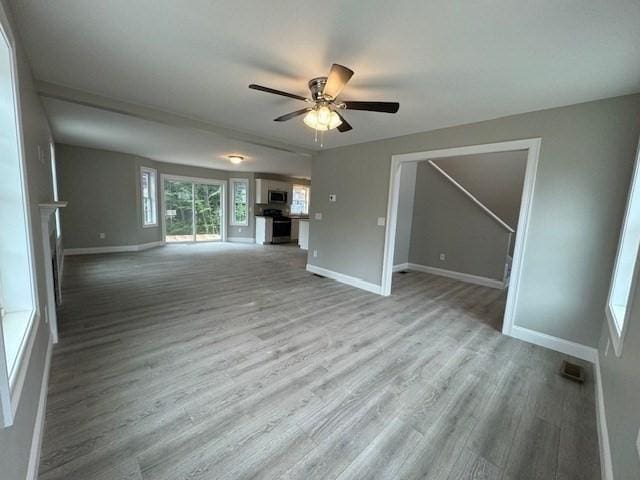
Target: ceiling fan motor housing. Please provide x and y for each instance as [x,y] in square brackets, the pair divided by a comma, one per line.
[316,85]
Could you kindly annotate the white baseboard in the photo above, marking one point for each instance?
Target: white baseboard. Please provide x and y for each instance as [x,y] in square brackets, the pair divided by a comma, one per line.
[400,267]
[606,465]
[38,426]
[241,239]
[561,345]
[463,277]
[117,249]
[340,277]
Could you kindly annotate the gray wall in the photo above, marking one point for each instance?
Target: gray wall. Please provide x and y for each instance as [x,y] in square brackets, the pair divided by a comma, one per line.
[99,186]
[447,221]
[585,165]
[103,191]
[405,213]
[15,441]
[495,179]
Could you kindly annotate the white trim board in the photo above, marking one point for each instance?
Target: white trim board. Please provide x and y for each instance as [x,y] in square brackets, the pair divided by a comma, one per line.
[590,354]
[346,279]
[606,465]
[115,249]
[241,239]
[38,427]
[463,277]
[532,146]
[400,267]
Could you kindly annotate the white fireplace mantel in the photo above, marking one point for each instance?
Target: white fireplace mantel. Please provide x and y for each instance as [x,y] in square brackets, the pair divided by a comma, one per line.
[46,212]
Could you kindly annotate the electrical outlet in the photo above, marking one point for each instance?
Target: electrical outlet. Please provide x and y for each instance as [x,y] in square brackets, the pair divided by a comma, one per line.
[443,257]
[318,216]
[102,235]
[381,221]
[315,254]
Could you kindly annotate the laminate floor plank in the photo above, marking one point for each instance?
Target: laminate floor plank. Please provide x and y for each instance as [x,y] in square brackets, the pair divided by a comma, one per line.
[228,361]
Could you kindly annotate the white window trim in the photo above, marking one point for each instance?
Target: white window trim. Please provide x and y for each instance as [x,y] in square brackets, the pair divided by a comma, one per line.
[616,315]
[154,173]
[232,214]
[11,385]
[308,189]
[56,193]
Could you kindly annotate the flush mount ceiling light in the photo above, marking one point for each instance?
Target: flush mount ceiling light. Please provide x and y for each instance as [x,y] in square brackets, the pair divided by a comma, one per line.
[235,159]
[323,112]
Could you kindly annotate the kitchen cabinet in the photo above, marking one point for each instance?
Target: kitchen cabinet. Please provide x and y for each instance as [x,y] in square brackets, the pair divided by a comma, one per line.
[263,186]
[264,230]
[303,235]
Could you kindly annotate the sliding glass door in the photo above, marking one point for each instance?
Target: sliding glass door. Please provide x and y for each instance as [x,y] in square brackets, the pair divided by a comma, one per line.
[193,209]
[208,212]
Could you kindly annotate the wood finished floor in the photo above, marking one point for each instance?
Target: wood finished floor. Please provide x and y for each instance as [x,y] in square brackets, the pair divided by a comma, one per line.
[232,362]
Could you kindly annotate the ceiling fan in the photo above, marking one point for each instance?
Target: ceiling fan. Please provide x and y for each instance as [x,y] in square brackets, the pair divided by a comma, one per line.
[323,112]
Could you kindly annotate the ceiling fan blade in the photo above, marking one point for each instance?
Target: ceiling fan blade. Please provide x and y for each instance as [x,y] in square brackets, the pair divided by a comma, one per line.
[291,115]
[386,107]
[344,126]
[337,79]
[276,92]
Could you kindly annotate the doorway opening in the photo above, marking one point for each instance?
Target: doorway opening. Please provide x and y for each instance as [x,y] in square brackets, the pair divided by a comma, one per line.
[482,232]
[194,209]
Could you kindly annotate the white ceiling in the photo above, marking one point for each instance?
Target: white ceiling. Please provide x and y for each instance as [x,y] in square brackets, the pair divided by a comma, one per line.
[446,62]
[90,127]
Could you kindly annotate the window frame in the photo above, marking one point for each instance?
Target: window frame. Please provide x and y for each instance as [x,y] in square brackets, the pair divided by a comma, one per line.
[307,189]
[153,180]
[618,320]
[12,383]
[56,191]
[232,192]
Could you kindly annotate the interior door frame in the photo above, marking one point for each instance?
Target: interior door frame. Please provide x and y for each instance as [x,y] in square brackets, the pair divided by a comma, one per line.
[207,181]
[532,146]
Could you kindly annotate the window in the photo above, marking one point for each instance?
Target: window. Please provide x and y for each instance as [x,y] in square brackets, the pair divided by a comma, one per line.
[149,197]
[18,311]
[625,269]
[56,197]
[300,200]
[239,201]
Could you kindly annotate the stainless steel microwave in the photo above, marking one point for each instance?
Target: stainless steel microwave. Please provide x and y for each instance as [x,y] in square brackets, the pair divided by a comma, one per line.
[276,196]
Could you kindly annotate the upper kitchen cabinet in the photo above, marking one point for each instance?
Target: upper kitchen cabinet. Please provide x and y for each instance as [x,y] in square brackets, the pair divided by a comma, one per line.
[264,186]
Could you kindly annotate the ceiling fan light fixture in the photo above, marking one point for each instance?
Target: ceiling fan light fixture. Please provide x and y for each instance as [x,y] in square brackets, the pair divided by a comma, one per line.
[235,159]
[322,119]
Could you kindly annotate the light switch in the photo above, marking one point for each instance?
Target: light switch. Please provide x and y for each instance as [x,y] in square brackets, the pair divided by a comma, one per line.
[318,216]
[381,221]
[103,235]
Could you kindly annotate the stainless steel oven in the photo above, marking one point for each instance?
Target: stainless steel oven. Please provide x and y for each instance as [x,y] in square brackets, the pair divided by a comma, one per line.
[281,230]
[277,196]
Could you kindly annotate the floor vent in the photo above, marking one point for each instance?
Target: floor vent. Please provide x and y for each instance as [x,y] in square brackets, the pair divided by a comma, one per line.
[572,371]
[403,271]
[319,276]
